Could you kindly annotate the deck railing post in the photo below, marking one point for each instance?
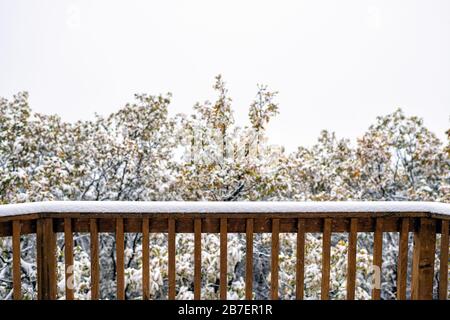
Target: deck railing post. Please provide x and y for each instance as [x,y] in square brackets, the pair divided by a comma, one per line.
[423,259]
[46,259]
[425,222]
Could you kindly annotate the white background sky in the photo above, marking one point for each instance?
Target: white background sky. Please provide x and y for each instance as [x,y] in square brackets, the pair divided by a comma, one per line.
[336,64]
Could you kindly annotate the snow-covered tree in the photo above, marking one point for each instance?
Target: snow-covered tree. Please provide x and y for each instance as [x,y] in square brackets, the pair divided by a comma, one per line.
[141,153]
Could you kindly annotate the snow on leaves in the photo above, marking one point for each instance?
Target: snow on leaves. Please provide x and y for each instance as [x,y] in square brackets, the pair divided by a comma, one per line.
[141,153]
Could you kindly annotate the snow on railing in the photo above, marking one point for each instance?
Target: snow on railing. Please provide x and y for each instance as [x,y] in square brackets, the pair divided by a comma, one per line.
[45,219]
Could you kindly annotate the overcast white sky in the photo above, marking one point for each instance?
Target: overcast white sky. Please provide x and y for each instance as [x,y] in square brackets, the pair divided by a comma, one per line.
[336,64]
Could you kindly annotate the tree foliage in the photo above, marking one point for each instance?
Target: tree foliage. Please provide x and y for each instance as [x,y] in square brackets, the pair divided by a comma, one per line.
[141,153]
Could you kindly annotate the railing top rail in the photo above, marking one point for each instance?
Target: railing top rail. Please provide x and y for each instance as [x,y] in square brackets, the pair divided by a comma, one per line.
[435,208]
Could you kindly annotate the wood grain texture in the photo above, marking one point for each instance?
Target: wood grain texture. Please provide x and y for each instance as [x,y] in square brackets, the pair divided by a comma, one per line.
[249,260]
[223,258]
[197,259]
[443,266]
[17,283]
[424,226]
[120,261]
[275,257]
[351,259]
[145,259]
[240,215]
[423,259]
[68,258]
[377,256]
[95,265]
[172,252]
[300,264]
[326,255]
[46,259]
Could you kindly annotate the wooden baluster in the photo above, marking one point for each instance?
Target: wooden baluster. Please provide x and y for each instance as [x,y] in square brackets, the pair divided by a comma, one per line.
[402,268]
[351,259]
[171,271]
[197,258]
[377,258]
[223,258]
[95,268]
[249,260]
[17,285]
[275,258]
[300,267]
[120,261]
[443,268]
[326,252]
[68,258]
[423,259]
[145,259]
[46,259]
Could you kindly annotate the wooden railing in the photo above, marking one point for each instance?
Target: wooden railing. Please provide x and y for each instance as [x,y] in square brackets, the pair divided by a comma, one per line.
[424,220]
